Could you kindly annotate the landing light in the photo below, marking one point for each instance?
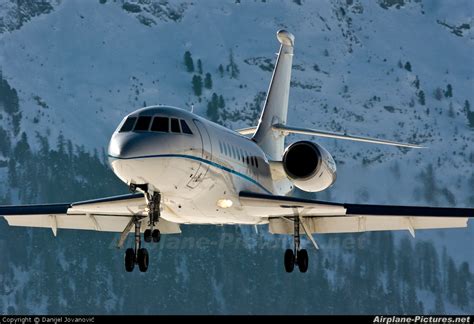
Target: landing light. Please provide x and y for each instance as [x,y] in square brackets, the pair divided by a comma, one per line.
[224,203]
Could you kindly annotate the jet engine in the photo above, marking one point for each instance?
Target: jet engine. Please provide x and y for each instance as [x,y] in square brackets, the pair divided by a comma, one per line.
[309,166]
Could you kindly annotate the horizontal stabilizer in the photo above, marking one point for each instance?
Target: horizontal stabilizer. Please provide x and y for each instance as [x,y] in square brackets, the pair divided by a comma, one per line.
[286,130]
[313,132]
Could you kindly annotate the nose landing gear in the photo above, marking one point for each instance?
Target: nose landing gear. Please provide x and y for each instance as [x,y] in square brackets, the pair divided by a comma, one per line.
[296,256]
[153,202]
[139,255]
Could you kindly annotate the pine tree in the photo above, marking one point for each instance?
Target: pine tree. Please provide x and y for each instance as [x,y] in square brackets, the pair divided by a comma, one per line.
[221,70]
[208,81]
[188,62]
[199,66]
[221,102]
[232,67]
[469,113]
[5,143]
[197,85]
[408,66]
[421,97]
[449,91]
[22,149]
[12,173]
[463,285]
[416,83]
[452,279]
[212,107]
[429,184]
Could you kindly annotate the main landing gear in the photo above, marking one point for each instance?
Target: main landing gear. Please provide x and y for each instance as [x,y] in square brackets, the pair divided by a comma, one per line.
[139,255]
[296,256]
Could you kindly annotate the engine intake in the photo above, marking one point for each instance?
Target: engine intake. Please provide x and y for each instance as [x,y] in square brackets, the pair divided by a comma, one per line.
[309,166]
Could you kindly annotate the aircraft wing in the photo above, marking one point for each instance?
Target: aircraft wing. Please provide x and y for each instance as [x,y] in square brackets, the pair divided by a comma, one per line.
[326,217]
[111,214]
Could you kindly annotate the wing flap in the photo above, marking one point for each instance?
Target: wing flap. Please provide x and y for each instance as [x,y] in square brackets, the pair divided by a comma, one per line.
[356,224]
[111,214]
[103,223]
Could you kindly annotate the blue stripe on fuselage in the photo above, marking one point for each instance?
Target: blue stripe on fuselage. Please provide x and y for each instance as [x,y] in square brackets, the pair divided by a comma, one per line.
[191,157]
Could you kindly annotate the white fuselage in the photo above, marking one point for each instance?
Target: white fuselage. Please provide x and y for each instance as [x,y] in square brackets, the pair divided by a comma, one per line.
[199,175]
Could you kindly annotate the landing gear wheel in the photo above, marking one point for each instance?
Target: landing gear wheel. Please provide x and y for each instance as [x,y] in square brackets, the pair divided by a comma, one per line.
[129,260]
[302,260]
[142,259]
[156,235]
[147,235]
[289,260]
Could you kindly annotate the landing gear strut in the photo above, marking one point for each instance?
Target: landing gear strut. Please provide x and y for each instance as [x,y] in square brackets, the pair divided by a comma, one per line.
[296,256]
[139,255]
[153,202]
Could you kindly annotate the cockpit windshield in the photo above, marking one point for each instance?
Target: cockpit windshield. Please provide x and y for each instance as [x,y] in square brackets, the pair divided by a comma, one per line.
[158,124]
[143,123]
[128,125]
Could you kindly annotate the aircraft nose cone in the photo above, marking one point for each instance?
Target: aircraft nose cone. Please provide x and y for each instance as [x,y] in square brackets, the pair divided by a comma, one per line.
[123,147]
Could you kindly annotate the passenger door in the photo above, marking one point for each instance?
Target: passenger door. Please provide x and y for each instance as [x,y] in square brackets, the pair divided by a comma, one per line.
[206,155]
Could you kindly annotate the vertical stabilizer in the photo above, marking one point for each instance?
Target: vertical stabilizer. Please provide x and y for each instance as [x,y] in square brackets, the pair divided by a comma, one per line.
[276,104]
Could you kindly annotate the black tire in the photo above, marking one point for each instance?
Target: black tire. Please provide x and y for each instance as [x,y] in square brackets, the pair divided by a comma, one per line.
[129,260]
[142,259]
[289,260]
[147,235]
[156,235]
[303,261]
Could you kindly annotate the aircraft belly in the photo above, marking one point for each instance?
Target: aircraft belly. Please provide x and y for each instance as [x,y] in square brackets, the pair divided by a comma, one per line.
[202,207]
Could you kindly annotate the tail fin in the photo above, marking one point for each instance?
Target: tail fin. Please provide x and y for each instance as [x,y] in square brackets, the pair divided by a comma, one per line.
[275,109]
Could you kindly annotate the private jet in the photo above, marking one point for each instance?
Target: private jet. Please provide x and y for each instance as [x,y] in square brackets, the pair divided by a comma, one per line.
[184,169]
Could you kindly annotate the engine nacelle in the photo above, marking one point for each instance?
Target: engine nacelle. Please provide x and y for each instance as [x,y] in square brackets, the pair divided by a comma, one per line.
[309,166]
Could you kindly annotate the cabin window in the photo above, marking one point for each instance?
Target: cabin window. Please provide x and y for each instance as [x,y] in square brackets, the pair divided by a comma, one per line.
[252,160]
[220,147]
[160,124]
[256,162]
[143,123]
[247,160]
[175,125]
[225,149]
[128,125]
[185,127]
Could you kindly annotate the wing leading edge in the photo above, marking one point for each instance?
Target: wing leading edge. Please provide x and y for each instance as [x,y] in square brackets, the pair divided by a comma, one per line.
[111,214]
[326,217]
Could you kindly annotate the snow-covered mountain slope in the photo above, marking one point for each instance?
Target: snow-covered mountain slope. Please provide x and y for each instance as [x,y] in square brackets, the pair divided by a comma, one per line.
[397,70]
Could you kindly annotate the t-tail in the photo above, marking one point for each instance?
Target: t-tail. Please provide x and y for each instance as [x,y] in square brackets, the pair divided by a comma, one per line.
[272,129]
[275,109]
